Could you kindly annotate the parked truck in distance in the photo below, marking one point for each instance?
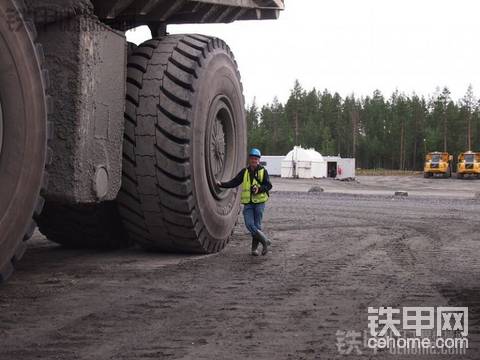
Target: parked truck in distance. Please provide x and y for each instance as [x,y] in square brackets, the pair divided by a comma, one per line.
[438,163]
[468,165]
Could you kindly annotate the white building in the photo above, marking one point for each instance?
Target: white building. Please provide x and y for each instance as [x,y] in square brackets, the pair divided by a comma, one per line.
[273,164]
[340,168]
[308,164]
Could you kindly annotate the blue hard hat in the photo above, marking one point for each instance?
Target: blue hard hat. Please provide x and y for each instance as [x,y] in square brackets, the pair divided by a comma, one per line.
[255,152]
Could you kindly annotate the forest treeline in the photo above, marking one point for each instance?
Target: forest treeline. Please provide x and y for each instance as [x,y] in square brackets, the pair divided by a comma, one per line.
[380,132]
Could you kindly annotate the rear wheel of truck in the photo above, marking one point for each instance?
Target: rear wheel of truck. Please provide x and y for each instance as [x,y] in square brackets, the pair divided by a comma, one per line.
[184,130]
[23,133]
[90,226]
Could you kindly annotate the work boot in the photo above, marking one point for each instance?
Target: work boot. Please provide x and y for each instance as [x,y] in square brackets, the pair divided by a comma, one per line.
[263,240]
[269,243]
[254,246]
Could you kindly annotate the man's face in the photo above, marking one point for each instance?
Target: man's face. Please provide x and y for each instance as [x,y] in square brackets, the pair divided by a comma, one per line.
[253,161]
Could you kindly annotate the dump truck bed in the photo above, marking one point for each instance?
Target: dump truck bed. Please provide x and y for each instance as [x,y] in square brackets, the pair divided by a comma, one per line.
[132,13]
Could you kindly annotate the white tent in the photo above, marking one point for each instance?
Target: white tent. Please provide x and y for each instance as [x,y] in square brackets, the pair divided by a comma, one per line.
[304,164]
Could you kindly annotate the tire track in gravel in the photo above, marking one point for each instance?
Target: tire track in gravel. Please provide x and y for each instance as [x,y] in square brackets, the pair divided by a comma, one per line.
[333,256]
[400,252]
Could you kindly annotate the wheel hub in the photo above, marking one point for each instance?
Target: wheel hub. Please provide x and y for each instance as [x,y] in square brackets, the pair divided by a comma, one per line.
[217,147]
[221,145]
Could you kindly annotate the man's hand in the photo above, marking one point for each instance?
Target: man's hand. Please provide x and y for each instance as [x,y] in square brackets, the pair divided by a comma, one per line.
[255,190]
[219,183]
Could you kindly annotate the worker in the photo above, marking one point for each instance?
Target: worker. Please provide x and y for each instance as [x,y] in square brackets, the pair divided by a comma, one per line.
[256,188]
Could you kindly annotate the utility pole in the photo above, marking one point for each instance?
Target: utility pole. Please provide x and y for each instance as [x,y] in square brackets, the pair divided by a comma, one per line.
[339,116]
[402,145]
[469,130]
[296,128]
[355,121]
[445,129]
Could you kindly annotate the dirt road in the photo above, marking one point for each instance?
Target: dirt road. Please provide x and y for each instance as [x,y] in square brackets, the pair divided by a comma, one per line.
[387,185]
[334,255]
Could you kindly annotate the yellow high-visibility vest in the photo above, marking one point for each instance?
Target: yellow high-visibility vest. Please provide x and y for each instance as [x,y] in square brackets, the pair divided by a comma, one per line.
[247,196]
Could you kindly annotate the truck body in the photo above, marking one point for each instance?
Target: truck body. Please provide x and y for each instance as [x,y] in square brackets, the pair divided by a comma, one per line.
[104,143]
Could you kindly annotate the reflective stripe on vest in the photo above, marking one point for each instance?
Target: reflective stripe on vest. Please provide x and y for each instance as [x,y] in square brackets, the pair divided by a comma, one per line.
[247,197]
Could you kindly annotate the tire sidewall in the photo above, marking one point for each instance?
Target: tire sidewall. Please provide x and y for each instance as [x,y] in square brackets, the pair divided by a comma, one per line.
[218,77]
[22,159]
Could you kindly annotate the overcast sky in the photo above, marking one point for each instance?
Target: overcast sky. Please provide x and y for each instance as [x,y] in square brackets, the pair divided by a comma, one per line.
[355,46]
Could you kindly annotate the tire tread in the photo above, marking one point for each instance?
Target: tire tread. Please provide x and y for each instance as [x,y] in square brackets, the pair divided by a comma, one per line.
[165,210]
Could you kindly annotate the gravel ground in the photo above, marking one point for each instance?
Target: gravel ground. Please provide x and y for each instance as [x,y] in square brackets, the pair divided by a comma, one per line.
[334,255]
[387,185]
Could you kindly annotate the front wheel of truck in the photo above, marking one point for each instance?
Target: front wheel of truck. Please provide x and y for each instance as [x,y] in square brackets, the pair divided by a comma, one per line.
[184,130]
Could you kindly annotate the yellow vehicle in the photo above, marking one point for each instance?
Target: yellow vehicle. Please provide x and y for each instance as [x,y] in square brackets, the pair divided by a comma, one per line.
[438,163]
[468,164]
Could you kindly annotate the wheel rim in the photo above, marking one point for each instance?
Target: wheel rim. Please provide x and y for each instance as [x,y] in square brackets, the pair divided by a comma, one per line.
[217,147]
[220,145]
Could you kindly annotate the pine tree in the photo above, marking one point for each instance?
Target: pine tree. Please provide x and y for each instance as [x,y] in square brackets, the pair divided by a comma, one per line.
[469,103]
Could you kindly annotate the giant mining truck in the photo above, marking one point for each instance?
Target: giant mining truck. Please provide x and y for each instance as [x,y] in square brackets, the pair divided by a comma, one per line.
[103,143]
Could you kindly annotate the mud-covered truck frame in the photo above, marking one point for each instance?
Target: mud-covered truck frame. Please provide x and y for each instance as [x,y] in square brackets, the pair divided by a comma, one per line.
[104,143]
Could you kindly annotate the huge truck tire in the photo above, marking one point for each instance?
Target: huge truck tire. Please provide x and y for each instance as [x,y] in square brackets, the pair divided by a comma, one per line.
[24,133]
[90,226]
[184,130]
